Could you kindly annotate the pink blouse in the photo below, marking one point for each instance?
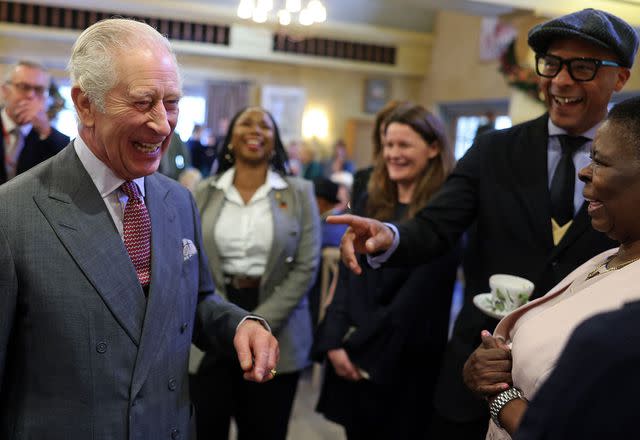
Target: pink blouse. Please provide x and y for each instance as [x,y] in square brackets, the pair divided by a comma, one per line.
[539,330]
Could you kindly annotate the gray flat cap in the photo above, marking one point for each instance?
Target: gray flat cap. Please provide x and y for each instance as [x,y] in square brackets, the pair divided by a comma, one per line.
[592,25]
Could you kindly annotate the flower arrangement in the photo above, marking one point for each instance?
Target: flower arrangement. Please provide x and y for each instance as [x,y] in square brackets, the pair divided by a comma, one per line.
[517,76]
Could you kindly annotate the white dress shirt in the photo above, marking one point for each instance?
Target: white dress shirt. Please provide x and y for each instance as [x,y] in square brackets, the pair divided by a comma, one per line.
[244,232]
[107,183]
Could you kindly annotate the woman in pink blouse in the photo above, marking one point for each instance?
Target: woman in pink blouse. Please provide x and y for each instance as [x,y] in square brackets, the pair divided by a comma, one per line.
[509,367]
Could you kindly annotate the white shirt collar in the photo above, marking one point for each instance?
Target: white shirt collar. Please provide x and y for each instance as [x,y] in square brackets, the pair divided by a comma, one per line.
[102,176]
[554,130]
[9,125]
[224,182]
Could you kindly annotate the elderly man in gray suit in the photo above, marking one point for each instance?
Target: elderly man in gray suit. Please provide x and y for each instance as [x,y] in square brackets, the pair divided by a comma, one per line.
[103,284]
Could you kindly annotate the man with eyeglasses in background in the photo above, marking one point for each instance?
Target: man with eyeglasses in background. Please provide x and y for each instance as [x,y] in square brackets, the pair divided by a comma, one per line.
[27,135]
[517,192]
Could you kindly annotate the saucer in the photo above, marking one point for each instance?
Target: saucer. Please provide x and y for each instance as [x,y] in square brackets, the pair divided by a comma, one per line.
[483,302]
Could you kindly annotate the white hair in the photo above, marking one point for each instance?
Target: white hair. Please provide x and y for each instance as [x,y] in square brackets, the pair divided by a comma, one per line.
[94,55]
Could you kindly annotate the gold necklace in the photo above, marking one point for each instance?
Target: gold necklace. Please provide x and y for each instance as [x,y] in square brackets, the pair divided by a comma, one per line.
[598,270]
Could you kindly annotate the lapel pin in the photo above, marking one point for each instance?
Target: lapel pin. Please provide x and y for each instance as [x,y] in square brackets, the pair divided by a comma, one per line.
[281,203]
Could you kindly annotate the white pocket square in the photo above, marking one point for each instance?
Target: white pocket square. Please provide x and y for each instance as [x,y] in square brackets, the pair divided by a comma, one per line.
[188,249]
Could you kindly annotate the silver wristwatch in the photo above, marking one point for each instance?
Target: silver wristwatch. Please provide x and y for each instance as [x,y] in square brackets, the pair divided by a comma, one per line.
[501,400]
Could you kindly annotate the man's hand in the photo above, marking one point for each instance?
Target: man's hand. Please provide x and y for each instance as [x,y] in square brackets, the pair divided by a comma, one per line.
[343,365]
[488,370]
[33,112]
[257,350]
[363,236]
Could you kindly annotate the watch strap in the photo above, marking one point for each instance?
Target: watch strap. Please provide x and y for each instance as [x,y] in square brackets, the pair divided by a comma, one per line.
[501,400]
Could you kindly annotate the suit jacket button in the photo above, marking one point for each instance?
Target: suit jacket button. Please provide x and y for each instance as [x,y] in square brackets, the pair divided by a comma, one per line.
[101,347]
[175,434]
[173,384]
[184,327]
[289,259]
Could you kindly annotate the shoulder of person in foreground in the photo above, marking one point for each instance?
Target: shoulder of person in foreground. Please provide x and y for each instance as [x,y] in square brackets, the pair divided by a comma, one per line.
[56,139]
[591,392]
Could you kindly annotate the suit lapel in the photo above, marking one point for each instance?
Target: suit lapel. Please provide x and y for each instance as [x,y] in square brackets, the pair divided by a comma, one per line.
[210,209]
[282,204]
[533,188]
[580,224]
[528,157]
[166,269]
[80,219]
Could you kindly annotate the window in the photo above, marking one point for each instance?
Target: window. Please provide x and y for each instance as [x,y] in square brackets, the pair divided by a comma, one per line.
[463,119]
[193,110]
[467,126]
[66,121]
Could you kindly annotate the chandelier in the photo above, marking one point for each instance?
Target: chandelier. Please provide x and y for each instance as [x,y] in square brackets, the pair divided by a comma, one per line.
[259,11]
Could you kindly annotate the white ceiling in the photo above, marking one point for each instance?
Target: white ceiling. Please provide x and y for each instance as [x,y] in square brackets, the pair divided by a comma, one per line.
[407,15]
[411,15]
[418,15]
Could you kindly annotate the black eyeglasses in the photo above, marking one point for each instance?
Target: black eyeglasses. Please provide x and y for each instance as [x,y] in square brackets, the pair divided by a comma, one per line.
[40,91]
[580,69]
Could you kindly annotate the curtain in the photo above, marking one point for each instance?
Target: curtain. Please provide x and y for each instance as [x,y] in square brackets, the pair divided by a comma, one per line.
[225,99]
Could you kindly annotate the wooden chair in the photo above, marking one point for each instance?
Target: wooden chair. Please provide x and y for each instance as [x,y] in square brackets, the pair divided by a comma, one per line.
[328,278]
[328,282]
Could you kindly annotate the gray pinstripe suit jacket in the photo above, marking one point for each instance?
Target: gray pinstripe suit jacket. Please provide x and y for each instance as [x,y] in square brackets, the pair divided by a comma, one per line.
[83,353]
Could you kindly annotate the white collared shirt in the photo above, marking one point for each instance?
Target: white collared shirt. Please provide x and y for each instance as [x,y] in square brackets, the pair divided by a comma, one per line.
[107,183]
[244,232]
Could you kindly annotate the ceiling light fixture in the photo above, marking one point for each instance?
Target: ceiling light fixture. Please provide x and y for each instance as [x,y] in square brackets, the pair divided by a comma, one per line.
[259,11]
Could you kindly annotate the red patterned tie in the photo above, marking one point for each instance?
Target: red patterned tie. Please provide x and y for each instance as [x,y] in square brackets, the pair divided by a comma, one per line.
[137,232]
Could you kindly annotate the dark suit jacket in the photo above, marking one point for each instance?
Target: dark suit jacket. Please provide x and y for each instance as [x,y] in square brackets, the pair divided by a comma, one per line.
[593,391]
[393,323]
[34,151]
[499,190]
[360,182]
[83,353]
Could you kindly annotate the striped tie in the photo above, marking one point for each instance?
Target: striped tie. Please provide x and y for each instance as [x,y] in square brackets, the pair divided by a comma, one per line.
[137,232]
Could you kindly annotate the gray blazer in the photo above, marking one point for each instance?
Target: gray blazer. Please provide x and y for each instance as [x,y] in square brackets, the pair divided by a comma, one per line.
[291,266]
[83,353]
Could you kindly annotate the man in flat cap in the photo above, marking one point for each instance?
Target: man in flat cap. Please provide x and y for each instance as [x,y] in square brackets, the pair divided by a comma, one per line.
[517,193]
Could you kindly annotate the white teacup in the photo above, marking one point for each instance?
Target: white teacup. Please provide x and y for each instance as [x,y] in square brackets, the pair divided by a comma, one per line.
[508,292]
